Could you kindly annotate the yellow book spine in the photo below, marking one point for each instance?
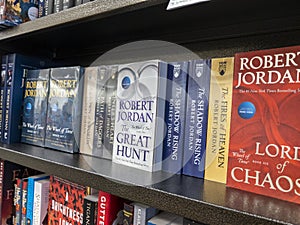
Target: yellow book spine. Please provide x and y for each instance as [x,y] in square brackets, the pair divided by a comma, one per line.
[218,130]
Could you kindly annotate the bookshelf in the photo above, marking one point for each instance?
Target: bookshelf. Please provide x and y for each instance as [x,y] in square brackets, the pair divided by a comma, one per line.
[212,29]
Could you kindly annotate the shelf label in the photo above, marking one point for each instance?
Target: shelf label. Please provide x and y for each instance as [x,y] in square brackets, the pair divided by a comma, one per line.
[174,4]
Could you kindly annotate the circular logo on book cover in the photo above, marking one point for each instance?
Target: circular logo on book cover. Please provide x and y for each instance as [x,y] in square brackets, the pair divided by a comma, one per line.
[28,107]
[126,82]
[246,110]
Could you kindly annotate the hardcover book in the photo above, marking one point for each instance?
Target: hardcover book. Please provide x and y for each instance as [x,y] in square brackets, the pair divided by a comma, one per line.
[41,200]
[64,109]
[175,116]
[140,108]
[109,207]
[196,118]
[65,202]
[265,128]
[35,107]
[13,94]
[90,209]
[219,114]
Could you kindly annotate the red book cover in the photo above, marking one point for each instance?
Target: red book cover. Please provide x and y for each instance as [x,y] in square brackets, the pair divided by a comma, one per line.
[264,152]
[65,202]
[109,208]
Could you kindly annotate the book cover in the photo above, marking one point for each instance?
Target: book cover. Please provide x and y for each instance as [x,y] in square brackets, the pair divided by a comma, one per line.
[110,111]
[24,202]
[196,118]
[128,211]
[90,209]
[41,200]
[30,196]
[100,115]
[65,202]
[13,94]
[9,172]
[175,116]
[265,129]
[140,108]
[142,213]
[108,208]
[64,109]
[35,107]
[18,201]
[219,114]
[2,85]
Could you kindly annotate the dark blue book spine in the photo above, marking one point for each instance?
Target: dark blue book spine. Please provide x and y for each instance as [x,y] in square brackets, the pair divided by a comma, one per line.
[196,118]
[64,109]
[174,116]
[2,103]
[41,10]
[35,107]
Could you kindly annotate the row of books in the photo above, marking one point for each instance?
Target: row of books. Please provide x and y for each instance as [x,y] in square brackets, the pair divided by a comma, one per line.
[43,199]
[231,120]
[16,12]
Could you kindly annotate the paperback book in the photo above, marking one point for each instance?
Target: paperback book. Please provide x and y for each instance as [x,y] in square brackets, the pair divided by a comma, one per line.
[175,116]
[64,109]
[219,114]
[265,128]
[35,107]
[90,209]
[2,85]
[196,118]
[140,108]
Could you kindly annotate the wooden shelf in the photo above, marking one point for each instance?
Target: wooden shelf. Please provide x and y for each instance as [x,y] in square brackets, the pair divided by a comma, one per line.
[194,198]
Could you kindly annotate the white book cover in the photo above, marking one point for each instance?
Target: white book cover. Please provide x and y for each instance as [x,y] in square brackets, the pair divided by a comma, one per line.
[139,121]
[40,199]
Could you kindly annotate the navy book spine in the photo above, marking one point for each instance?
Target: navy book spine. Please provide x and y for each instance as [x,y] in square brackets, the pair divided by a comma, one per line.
[64,109]
[35,107]
[196,118]
[175,116]
[2,103]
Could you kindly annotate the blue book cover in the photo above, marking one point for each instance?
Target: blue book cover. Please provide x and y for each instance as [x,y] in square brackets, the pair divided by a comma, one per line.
[35,107]
[30,195]
[13,94]
[3,76]
[64,109]
[175,116]
[196,118]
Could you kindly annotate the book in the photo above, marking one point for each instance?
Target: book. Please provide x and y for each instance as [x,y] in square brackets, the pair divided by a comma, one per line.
[140,108]
[67,195]
[196,118]
[2,85]
[13,94]
[175,116]
[18,201]
[165,218]
[41,9]
[9,172]
[264,135]
[142,213]
[219,115]
[24,202]
[90,209]
[110,111]
[35,107]
[191,222]
[128,211]
[64,109]
[57,6]
[108,208]
[30,196]
[67,4]
[41,200]
[49,4]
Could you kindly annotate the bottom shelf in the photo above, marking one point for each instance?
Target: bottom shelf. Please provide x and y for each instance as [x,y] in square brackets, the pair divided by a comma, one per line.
[197,199]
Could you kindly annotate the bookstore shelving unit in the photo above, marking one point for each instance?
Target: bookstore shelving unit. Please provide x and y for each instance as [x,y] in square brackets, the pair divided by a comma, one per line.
[212,29]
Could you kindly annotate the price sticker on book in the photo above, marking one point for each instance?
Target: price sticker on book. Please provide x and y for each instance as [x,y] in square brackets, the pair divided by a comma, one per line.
[174,4]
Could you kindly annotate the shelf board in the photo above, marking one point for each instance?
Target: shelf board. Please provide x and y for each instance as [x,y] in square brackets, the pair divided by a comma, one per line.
[204,201]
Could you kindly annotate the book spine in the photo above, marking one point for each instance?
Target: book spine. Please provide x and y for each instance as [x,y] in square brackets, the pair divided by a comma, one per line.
[67,4]
[196,118]
[3,78]
[18,201]
[24,202]
[30,196]
[57,6]
[100,108]
[78,2]
[1,186]
[41,8]
[90,212]
[49,4]
[41,193]
[218,128]
[128,214]
[142,213]
[174,116]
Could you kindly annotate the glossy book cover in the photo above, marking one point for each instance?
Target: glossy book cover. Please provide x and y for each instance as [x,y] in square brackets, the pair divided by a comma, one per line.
[264,148]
